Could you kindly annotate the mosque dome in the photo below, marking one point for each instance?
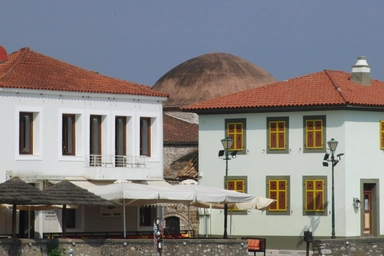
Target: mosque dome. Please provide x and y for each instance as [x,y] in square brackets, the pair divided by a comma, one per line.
[209,76]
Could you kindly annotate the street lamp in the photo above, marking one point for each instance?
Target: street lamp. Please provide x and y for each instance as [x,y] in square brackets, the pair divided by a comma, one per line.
[227,144]
[332,145]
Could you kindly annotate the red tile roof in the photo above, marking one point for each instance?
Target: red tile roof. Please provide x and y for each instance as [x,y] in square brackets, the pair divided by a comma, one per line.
[325,88]
[177,131]
[27,69]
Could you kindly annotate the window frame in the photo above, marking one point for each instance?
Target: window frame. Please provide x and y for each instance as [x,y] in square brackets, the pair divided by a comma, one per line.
[233,136]
[146,216]
[236,179]
[148,143]
[120,158]
[322,212]
[22,132]
[95,159]
[287,210]
[65,136]
[284,150]
[323,133]
[244,180]
[381,134]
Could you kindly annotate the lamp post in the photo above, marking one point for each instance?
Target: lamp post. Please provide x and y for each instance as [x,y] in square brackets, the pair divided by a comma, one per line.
[332,145]
[227,144]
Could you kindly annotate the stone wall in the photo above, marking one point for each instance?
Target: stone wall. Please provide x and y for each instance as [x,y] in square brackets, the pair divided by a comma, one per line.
[181,212]
[124,247]
[171,170]
[349,247]
[174,154]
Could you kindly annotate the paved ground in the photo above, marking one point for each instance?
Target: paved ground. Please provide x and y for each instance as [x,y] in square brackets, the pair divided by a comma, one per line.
[281,253]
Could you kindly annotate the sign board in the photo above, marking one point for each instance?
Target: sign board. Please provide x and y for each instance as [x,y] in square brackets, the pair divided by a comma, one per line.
[111,211]
[50,215]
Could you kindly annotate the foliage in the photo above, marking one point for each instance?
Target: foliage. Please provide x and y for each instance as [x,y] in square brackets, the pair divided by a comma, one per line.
[54,249]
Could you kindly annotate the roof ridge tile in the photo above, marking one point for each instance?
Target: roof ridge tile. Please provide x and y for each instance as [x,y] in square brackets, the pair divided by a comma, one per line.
[337,87]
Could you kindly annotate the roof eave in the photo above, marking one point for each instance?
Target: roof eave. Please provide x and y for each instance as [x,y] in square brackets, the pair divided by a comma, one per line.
[286,109]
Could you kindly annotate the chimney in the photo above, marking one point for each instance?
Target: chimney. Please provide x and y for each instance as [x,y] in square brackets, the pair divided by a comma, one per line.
[361,72]
[3,55]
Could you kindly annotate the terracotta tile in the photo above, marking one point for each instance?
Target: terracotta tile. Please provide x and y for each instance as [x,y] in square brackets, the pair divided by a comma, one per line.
[27,69]
[325,88]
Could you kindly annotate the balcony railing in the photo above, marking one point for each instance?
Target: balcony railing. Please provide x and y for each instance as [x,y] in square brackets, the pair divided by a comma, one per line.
[115,161]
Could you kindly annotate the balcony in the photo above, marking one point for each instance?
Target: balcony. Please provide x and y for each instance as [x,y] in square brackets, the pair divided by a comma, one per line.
[112,167]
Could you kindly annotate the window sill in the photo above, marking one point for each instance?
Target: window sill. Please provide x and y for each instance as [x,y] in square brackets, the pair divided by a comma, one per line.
[29,157]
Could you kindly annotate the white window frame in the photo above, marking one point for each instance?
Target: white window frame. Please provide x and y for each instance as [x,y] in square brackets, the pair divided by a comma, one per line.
[37,152]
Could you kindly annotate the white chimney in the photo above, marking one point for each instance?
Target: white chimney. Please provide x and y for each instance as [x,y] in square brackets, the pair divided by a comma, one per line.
[361,72]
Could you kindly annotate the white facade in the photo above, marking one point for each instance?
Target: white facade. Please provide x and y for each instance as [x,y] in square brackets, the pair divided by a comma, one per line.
[358,134]
[47,162]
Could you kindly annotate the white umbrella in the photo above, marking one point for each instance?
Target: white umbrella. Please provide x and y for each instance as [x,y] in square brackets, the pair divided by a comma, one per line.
[211,195]
[132,194]
[258,203]
[206,197]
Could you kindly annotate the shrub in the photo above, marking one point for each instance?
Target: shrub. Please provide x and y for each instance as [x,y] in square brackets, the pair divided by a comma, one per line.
[54,249]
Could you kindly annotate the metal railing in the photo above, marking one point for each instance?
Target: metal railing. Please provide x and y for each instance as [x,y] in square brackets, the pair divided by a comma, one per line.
[115,161]
[117,235]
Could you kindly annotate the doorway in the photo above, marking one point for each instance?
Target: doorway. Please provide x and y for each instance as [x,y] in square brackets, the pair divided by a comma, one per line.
[26,227]
[120,141]
[95,140]
[367,204]
[369,208]
[172,225]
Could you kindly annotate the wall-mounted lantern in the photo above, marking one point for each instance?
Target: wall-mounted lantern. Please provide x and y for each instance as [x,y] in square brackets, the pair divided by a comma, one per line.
[356,203]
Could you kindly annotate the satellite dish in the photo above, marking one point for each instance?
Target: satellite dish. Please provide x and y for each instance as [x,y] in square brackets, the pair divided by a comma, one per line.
[3,55]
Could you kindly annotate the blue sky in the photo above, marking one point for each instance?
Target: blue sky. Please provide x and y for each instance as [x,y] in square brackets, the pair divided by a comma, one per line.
[140,41]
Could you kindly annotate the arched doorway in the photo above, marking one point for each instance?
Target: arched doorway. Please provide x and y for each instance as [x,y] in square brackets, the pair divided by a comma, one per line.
[172,225]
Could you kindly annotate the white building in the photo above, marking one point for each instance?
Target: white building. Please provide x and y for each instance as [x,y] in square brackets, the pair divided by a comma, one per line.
[280,133]
[64,122]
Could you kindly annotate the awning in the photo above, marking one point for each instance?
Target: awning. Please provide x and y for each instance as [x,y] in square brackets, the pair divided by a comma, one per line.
[88,184]
[157,183]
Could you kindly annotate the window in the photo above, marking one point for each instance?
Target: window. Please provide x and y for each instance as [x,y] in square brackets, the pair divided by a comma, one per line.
[26,133]
[314,134]
[278,189]
[277,129]
[71,218]
[68,134]
[120,141]
[237,183]
[145,136]
[95,140]
[147,215]
[74,218]
[314,195]
[235,129]
[382,134]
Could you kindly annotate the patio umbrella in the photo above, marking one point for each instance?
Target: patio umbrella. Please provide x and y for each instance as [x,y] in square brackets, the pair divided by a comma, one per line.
[258,203]
[207,197]
[17,192]
[212,197]
[67,193]
[133,194]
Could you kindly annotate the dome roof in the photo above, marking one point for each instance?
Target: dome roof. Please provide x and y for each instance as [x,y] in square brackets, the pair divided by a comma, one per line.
[209,76]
